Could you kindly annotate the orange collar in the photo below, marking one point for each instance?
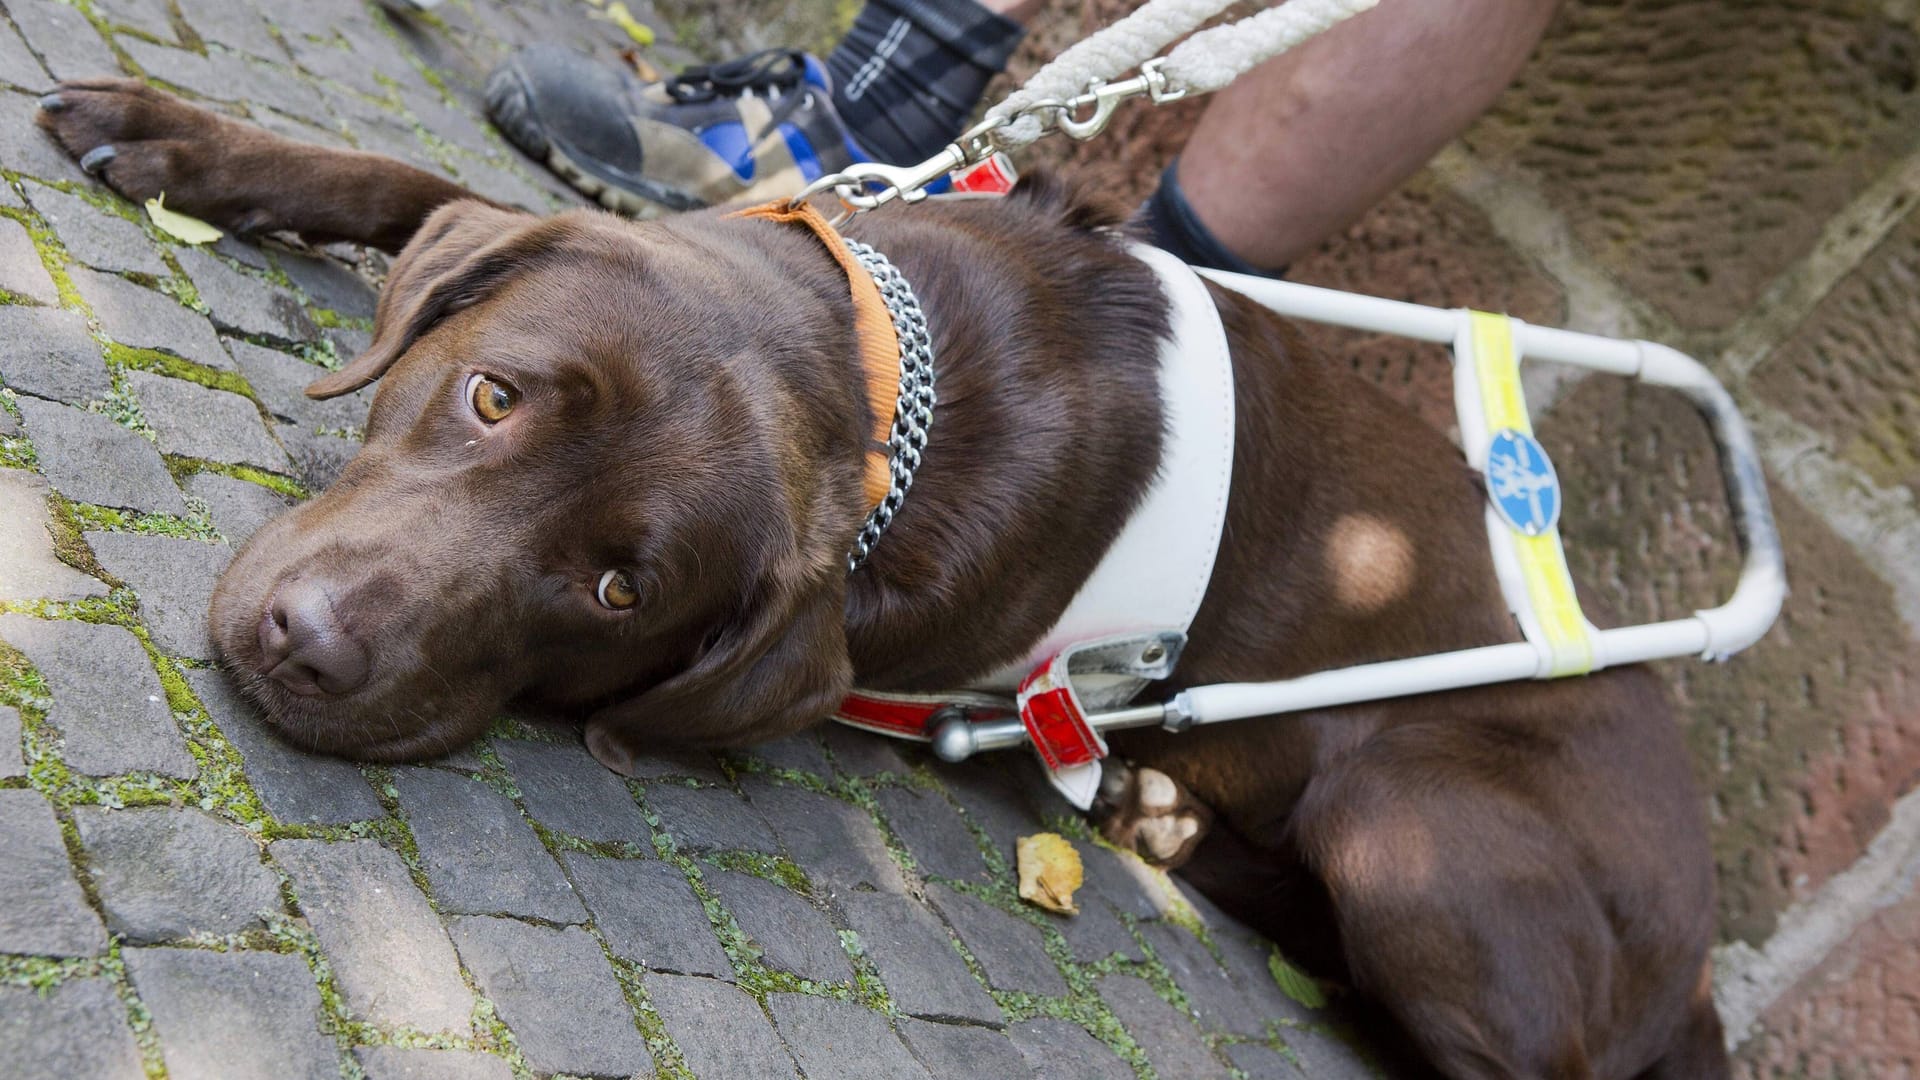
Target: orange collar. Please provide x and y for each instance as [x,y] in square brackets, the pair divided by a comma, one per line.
[878,344]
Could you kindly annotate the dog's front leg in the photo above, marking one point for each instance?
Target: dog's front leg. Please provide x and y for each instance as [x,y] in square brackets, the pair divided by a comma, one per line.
[243,178]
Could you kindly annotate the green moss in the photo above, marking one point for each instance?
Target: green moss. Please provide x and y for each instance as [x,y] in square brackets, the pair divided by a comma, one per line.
[159,363]
[774,868]
[123,408]
[88,517]
[184,467]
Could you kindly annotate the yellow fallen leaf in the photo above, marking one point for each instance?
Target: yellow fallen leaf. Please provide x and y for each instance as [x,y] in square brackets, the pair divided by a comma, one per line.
[180,226]
[640,32]
[1049,872]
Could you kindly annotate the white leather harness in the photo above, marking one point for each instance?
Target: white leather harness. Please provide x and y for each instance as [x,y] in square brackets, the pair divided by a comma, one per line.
[1127,624]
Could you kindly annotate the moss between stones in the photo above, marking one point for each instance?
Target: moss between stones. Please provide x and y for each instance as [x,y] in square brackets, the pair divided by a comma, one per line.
[184,467]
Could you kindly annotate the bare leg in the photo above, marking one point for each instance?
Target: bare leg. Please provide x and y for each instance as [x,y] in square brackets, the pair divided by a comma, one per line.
[1304,144]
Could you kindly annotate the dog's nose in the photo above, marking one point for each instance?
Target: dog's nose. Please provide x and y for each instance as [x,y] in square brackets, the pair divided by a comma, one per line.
[305,648]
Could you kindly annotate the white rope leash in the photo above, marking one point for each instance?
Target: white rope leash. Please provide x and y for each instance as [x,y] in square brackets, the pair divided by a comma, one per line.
[1203,63]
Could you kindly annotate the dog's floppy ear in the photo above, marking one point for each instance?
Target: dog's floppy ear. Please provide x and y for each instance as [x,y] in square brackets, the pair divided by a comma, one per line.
[779,667]
[463,251]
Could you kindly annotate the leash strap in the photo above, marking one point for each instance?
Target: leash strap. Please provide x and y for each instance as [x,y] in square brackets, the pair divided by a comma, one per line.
[1523,511]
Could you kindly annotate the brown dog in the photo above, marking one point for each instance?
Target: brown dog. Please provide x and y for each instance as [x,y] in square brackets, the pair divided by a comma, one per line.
[615,467]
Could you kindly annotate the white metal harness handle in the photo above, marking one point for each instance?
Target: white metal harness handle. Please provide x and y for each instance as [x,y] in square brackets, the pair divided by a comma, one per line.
[1713,634]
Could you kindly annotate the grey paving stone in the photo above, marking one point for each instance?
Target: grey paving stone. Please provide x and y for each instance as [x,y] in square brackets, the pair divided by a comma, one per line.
[329,284]
[858,753]
[98,238]
[453,123]
[555,990]
[840,1039]
[174,579]
[1059,1050]
[188,70]
[29,570]
[792,934]
[391,957]
[63,37]
[240,250]
[21,271]
[480,854]
[395,1063]
[236,506]
[280,87]
[13,761]
[78,1028]
[280,382]
[89,458]
[1219,1002]
[50,354]
[25,148]
[648,913]
[19,66]
[146,16]
[1122,880]
[196,421]
[719,1029]
[940,843]
[956,1050]
[800,753]
[9,425]
[42,910]
[684,764]
[306,131]
[163,874]
[502,186]
[1264,1063]
[234,1015]
[317,459]
[709,819]
[1172,1044]
[233,23]
[563,788]
[143,318]
[243,302]
[1246,956]
[997,793]
[296,787]
[1097,932]
[916,959]
[1010,951]
[837,844]
[107,702]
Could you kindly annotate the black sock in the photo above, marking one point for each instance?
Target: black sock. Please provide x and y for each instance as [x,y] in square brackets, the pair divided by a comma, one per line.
[1173,227]
[909,73]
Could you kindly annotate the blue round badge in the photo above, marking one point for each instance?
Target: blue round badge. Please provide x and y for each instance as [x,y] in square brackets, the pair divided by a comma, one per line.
[1522,483]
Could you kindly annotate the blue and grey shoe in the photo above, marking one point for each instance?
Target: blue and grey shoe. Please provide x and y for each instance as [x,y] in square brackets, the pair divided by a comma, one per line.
[756,128]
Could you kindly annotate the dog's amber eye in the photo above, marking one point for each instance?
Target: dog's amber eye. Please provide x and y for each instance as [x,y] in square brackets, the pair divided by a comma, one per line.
[491,398]
[617,590]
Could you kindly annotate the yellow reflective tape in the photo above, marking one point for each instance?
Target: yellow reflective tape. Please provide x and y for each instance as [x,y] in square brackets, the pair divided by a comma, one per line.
[1542,559]
[1497,364]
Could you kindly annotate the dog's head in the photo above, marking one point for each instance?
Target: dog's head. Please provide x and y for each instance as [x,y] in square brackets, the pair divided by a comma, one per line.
[611,468]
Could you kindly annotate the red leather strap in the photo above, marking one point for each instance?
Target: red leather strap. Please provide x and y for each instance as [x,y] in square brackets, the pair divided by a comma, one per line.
[901,719]
[1059,729]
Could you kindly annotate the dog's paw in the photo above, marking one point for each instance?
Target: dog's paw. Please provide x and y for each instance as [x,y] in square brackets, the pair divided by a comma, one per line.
[1149,813]
[140,141]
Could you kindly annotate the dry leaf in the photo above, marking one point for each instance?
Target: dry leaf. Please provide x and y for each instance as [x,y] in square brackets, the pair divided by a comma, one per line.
[180,226]
[1049,872]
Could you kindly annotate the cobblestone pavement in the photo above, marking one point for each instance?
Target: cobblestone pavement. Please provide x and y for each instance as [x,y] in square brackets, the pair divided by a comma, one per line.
[183,896]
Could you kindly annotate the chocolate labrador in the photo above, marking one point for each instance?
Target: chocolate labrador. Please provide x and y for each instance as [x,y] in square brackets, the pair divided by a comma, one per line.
[614,468]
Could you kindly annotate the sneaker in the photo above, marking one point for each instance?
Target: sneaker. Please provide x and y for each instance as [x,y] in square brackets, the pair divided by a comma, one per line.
[748,130]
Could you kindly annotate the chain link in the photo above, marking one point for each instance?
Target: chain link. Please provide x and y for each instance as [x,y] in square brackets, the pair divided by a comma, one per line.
[913,407]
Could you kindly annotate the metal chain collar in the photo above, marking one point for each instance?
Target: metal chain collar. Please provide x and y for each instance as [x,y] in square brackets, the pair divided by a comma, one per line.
[912,409]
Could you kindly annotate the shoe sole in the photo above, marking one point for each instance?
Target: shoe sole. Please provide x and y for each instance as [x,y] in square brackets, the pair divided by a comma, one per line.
[511,110]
